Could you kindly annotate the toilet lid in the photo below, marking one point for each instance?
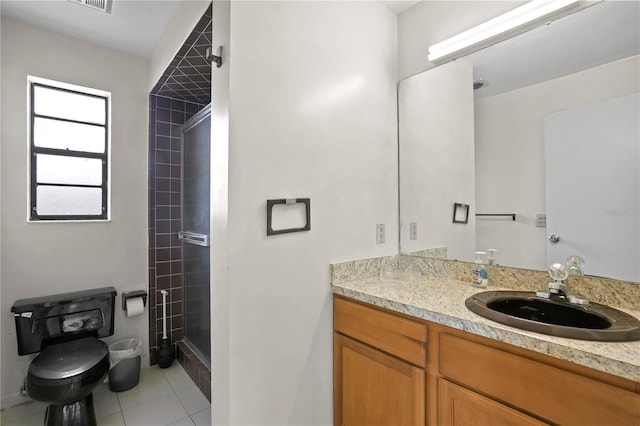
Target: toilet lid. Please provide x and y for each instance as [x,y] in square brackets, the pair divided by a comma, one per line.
[68,359]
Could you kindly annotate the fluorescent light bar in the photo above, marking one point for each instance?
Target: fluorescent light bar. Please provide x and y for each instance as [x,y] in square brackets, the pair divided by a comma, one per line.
[497,29]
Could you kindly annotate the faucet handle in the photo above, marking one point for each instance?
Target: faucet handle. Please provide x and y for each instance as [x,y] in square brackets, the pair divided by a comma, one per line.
[575,264]
[558,272]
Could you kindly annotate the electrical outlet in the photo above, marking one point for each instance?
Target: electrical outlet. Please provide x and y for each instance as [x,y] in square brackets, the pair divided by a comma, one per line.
[379,233]
[413,230]
[541,220]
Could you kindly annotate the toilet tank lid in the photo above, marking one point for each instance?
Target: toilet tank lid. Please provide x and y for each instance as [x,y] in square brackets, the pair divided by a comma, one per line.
[24,305]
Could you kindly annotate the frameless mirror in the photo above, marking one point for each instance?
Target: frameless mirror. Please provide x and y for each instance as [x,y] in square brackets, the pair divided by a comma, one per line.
[554,83]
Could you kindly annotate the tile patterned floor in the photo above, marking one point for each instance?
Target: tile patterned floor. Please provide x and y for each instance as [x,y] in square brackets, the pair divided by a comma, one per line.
[163,397]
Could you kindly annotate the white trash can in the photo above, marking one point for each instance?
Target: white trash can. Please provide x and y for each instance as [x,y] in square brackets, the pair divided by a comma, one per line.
[125,357]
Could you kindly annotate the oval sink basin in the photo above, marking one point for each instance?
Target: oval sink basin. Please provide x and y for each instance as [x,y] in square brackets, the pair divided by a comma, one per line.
[526,311]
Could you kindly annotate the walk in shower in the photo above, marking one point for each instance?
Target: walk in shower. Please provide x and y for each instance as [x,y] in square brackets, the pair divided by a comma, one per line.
[196,134]
[179,169]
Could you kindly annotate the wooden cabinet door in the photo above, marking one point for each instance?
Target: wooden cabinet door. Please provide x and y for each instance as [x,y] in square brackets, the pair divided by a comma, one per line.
[458,406]
[373,388]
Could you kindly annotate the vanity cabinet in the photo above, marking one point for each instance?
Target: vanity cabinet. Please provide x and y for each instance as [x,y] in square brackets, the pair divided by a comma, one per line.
[379,367]
[459,406]
[390,368]
[376,388]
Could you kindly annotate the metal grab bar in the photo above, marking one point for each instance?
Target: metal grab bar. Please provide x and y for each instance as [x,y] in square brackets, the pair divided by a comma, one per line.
[194,238]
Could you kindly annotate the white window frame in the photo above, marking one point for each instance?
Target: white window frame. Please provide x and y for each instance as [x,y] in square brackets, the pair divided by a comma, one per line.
[105,157]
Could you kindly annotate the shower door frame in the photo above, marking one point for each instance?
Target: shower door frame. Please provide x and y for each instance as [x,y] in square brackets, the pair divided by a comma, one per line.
[192,122]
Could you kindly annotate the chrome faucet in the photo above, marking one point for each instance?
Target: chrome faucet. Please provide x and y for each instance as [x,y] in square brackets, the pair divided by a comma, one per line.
[559,290]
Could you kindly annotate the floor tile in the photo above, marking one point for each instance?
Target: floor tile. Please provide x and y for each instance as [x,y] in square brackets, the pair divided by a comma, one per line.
[183,422]
[105,404]
[33,420]
[102,387]
[161,411]
[163,396]
[112,420]
[177,377]
[203,418]
[152,386]
[22,411]
[193,400]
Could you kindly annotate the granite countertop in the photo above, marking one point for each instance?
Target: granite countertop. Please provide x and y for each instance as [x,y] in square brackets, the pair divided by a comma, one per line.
[442,301]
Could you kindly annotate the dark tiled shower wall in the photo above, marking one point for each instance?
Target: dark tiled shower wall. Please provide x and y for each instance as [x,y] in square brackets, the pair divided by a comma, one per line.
[166,117]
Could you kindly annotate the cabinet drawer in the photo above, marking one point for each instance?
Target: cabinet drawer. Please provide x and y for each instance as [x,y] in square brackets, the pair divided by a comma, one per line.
[374,388]
[529,385]
[392,334]
[458,406]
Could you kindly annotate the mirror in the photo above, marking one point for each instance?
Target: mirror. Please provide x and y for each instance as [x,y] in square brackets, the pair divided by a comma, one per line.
[586,58]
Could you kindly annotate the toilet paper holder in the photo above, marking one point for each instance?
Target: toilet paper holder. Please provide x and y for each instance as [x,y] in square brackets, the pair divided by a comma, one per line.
[133,294]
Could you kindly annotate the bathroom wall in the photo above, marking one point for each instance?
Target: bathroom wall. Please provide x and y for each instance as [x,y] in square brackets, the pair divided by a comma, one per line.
[435,116]
[514,147]
[430,22]
[312,114]
[219,230]
[308,116]
[48,258]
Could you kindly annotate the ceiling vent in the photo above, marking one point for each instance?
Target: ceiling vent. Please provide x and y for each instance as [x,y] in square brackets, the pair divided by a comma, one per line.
[101,5]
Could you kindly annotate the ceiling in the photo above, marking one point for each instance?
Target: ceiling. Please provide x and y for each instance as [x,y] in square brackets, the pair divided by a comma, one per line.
[599,34]
[398,6]
[133,26]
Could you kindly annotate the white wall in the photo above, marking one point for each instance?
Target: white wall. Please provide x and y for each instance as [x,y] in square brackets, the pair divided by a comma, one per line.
[47,258]
[437,162]
[220,355]
[510,154]
[432,21]
[312,114]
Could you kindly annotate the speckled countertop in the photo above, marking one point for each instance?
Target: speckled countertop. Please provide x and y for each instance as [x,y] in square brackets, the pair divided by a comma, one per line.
[442,301]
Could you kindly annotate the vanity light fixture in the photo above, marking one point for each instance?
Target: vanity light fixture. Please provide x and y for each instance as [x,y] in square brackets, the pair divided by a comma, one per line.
[514,22]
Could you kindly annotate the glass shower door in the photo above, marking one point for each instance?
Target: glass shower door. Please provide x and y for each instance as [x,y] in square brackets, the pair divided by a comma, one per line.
[196,136]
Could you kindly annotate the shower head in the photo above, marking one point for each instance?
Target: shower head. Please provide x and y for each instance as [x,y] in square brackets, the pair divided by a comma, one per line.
[217,58]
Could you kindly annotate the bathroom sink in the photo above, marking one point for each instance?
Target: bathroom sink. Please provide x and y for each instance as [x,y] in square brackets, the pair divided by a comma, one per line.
[527,311]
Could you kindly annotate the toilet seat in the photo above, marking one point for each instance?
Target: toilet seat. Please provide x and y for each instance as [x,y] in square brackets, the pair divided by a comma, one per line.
[66,360]
[67,372]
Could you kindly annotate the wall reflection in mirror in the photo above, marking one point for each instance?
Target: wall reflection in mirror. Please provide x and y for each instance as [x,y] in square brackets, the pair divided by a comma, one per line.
[552,136]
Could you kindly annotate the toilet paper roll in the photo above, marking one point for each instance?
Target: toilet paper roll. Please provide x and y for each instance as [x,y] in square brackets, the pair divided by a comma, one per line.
[134,306]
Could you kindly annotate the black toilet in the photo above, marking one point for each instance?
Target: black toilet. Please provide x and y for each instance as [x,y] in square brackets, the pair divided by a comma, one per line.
[65,329]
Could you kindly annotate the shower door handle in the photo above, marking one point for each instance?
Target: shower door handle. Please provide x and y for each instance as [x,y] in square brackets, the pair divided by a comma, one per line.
[194,238]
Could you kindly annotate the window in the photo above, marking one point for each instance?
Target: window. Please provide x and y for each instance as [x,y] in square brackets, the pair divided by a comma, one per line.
[69,134]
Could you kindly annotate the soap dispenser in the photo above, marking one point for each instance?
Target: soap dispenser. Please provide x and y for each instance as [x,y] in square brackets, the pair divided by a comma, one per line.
[479,272]
[491,259]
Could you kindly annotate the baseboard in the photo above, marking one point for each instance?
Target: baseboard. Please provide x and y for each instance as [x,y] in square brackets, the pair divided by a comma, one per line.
[14,399]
